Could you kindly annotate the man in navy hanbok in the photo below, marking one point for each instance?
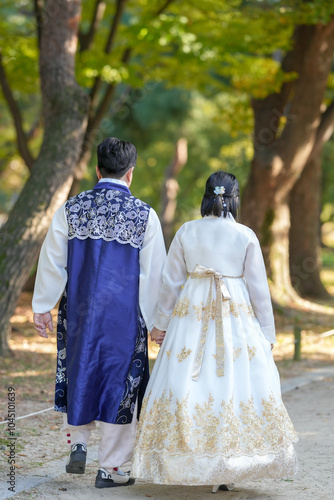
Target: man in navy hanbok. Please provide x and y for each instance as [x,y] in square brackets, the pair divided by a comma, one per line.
[103,255]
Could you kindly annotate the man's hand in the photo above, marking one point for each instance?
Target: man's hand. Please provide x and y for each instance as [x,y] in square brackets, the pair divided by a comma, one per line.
[41,321]
[157,335]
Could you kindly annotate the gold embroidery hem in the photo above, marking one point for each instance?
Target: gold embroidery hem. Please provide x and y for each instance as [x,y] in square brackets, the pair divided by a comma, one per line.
[232,430]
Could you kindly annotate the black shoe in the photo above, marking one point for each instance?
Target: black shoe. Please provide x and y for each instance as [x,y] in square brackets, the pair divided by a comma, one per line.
[224,487]
[77,461]
[105,479]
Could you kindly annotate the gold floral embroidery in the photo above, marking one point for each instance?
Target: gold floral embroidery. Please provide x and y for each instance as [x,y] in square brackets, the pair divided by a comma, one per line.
[247,309]
[228,308]
[236,353]
[168,354]
[215,356]
[253,425]
[234,309]
[206,424]
[230,427]
[160,427]
[272,412]
[183,354]
[182,308]
[170,426]
[200,311]
[251,352]
[182,423]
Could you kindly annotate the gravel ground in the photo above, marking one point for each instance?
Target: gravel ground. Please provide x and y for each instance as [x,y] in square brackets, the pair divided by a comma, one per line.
[41,452]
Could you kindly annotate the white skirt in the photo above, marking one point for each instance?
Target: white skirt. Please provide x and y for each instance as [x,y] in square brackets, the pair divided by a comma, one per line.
[216,429]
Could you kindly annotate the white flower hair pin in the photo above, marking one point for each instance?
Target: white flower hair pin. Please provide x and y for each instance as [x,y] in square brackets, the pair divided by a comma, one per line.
[219,190]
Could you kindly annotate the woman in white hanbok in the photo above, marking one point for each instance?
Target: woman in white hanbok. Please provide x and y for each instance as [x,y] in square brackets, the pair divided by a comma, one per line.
[212,411]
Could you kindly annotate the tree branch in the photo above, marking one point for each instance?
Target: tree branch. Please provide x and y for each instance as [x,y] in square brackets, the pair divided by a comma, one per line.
[38,9]
[163,7]
[94,121]
[120,6]
[316,44]
[35,129]
[269,110]
[94,93]
[298,100]
[324,132]
[17,117]
[86,39]
[97,111]
[267,116]
[171,187]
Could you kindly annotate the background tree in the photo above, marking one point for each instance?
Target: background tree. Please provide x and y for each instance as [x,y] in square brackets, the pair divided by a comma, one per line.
[64,114]
[196,64]
[305,210]
[286,126]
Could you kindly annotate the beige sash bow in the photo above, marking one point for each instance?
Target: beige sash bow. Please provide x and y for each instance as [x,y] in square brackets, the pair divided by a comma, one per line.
[221,294]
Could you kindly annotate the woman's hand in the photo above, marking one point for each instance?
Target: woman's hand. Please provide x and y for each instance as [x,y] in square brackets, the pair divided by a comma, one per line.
[157,335]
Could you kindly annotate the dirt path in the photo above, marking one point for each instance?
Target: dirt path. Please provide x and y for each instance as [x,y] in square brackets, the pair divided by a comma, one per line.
[311,407]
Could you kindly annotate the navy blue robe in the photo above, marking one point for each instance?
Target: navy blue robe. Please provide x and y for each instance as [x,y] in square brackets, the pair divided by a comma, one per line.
[102,363]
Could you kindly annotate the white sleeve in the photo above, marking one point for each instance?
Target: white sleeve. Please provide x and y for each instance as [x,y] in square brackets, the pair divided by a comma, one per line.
[152,257]
[257,284]
[174,277]
[51,275]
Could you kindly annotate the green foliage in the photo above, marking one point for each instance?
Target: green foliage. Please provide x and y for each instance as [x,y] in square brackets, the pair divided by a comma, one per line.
[194,45]
[155,123]
[19,46]
[192,72]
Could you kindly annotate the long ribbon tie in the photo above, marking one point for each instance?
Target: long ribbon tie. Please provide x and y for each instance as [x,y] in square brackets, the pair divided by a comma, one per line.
[221,294]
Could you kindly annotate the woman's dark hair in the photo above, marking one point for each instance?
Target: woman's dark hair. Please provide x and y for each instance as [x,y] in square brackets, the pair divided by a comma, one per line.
[115,157]
[227,201]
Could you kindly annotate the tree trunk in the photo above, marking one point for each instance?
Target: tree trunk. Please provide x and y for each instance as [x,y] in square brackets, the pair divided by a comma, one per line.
[280,159]
[266,211]
[305,207]
[305,231]
[170,189]
[65,107]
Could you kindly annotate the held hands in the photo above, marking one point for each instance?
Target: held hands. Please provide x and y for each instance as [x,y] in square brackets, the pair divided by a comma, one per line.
[157,336]
[41,321]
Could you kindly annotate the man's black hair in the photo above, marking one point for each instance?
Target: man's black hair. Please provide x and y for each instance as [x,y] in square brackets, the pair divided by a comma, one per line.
[115,157]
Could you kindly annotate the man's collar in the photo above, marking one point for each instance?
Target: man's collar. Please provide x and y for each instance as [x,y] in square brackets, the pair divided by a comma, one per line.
[114,181]
[110,183]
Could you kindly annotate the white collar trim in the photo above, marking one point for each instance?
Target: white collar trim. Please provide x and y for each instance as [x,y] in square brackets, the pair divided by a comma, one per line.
[115,181]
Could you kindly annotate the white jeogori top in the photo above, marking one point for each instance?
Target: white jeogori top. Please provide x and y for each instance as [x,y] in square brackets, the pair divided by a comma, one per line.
[229,248]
